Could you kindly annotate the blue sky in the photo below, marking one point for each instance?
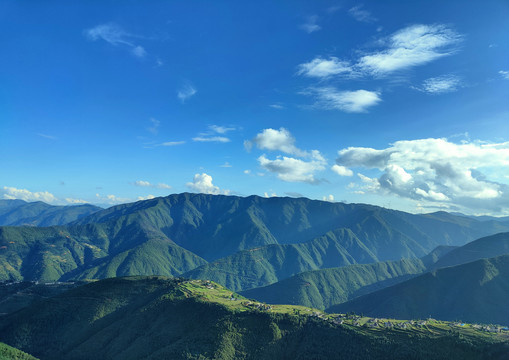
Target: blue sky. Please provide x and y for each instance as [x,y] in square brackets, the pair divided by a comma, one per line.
[402,104]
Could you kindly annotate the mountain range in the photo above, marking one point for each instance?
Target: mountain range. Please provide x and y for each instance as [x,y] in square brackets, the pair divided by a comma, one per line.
[272,237]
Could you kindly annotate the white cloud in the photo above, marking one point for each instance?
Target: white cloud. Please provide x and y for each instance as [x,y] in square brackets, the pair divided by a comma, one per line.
[277,106]
[329,198]
[226,165]
[412,46]
[247,172]
[143,183]
[341,170]
[221,139]
[440,84]
[436,170]
[311,24]
[504,74]
[322,68]
[202,183]
[112,199]
[269,195]
[275,140]
[221,129]
[116,36]
[24,194]
[172,143]
[148,197]
[186,92]
[75,201]
[359,14]
[349,101]
[293,170]
[211,134]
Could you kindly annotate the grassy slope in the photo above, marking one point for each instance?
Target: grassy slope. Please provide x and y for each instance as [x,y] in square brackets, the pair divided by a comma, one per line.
[157,318]
[473,292]
[9,353]
[323,288]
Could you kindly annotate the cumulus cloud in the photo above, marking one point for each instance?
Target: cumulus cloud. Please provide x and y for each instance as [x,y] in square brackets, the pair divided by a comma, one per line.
[311,25]
[75,201]
[292,169]
[276,140]
[436,170]
[329,198]
[202,183]
[362,15]
[341,170]
[148,197]
[186,92]
[12,193]
[321,68]
[504,74]
[143,183]
[357,101]
[440,84]
[116,36]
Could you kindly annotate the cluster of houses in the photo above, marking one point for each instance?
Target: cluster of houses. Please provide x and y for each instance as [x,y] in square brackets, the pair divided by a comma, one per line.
[488,328]
[257,306]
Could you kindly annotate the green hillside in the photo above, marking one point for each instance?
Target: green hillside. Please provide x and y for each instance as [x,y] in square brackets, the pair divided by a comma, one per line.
[473,292]
[323,288]
[94,250]
[268,264]
[160,318]
[177,233]
[19,212]
[486,247]
[9,353]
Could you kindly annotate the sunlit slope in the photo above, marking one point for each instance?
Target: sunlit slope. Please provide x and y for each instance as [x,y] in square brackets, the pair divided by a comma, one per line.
[160,318]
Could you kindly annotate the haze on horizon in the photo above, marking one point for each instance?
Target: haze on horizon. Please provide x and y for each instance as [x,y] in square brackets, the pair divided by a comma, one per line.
[399,104]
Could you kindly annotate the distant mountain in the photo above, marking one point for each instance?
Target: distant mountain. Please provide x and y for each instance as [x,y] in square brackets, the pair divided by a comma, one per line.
[268,264]
[19,212]
[486,247]
[160,318]
[323,288]
[215,226]
[177,233]
[473,292]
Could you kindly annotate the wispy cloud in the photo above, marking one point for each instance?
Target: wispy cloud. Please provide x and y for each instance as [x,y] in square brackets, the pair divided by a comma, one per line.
[154,128]
[172,143]
[50,137]
[186,92]
[202,183]
[409,47]
[322,68]
[226,165]
[142,183]
[440,84]
[412,46]
[112,199]
[116,36]
[277,106]
[362,15]
[311,25]
[330,98]
[504,74]
[212,134]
